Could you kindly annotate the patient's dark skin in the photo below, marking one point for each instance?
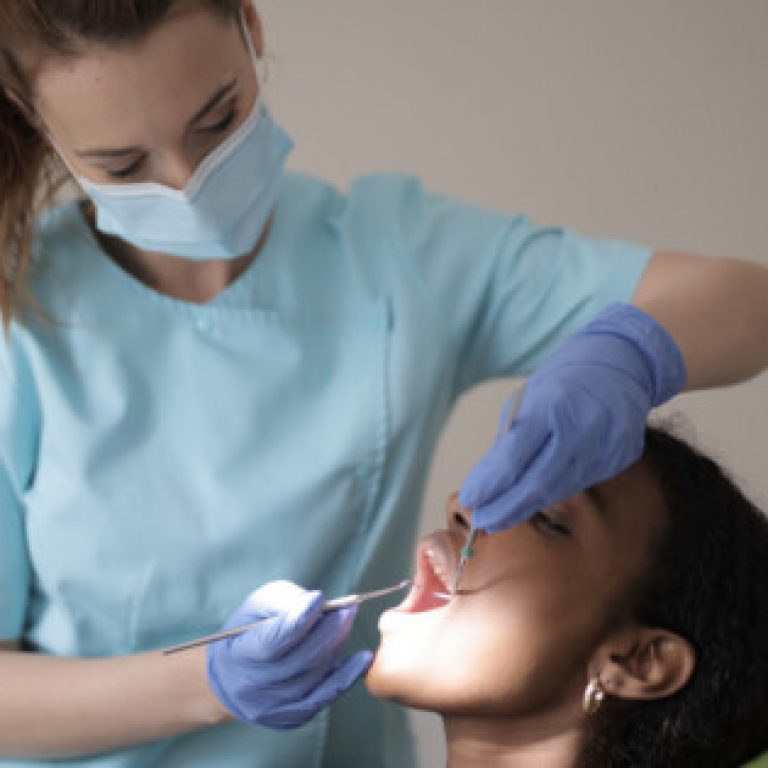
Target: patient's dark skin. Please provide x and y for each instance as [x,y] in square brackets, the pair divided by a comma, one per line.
[538,616]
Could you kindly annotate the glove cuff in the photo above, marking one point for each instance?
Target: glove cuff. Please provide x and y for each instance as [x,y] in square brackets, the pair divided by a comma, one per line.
[663,356]
[216,687]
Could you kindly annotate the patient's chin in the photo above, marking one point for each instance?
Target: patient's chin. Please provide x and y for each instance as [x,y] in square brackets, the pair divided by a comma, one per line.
[383,682]
[425,692]
[412,681]
[411,669]
[399,691]
[391,679]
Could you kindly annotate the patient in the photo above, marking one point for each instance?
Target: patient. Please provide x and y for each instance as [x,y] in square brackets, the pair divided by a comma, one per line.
[625,626]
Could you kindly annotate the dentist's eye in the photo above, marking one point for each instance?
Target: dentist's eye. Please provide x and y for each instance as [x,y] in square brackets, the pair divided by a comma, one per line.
[549,525]
[223,124]
[123,173]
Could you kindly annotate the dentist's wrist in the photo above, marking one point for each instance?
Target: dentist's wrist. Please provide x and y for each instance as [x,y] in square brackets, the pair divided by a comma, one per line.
[205,709]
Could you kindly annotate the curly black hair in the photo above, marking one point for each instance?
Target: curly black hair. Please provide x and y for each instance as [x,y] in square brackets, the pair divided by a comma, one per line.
[708,582]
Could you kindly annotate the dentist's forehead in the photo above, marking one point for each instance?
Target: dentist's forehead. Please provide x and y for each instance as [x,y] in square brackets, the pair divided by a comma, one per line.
[128,94]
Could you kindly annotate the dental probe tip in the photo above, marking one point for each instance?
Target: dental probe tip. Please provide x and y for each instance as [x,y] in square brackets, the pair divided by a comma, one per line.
[466,553]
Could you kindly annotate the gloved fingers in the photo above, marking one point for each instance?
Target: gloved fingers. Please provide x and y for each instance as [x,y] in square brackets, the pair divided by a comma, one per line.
[545,482]
[582,451]
[274,598]
[505,462]
[342,678]
[290,623]
[338,681]
[309,661]
[508,412]
[268,600]
[314,686]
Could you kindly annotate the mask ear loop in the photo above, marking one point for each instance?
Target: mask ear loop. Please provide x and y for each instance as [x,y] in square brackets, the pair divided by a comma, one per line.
[62,159]
[260,66]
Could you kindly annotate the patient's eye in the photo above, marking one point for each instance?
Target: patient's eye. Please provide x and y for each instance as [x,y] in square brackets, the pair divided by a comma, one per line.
[549,525]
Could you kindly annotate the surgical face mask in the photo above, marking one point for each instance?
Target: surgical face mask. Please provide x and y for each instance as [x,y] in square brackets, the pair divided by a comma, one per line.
[220,213]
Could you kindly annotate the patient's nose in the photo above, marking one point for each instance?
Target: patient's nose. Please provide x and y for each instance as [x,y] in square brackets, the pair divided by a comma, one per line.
[457,518]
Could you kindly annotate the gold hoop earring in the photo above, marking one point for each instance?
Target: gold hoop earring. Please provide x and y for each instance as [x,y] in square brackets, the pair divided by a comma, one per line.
[594,694]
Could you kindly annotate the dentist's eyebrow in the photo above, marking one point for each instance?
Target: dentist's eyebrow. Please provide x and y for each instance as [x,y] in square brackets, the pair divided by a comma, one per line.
[106,153]
[211,104]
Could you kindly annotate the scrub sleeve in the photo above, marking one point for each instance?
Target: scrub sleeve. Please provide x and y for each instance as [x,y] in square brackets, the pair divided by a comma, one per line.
[160,459]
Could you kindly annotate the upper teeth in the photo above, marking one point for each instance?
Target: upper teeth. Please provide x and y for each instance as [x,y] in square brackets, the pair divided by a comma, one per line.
[437,567]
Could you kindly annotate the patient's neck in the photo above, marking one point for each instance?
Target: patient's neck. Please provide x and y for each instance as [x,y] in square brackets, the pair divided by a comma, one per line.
[473,742]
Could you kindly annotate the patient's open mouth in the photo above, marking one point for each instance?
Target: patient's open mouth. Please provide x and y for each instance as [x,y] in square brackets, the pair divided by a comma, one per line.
[436,563]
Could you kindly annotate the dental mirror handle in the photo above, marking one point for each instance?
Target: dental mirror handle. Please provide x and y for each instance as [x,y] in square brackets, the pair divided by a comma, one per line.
[330,605]
[347,600]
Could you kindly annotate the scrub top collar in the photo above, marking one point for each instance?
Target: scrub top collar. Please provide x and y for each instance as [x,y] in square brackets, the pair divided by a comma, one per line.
[221,298]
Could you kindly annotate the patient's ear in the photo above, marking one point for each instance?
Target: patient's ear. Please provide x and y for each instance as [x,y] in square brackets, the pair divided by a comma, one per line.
[643,663]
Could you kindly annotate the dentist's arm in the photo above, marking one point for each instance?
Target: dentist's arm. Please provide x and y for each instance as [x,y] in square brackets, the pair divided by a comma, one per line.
[278,674]
[715,309]
[53,708]
[696,323]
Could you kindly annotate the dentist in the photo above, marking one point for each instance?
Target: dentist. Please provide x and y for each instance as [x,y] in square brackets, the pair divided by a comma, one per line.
[217,375]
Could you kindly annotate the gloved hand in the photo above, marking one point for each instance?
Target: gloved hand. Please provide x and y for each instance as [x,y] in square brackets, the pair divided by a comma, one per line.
[284,670]
[581,419]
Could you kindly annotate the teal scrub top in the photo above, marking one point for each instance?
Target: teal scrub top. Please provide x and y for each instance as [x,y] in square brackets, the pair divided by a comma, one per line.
[160,459]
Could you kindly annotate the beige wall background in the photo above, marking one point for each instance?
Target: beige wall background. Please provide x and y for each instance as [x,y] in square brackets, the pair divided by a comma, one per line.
[644,120]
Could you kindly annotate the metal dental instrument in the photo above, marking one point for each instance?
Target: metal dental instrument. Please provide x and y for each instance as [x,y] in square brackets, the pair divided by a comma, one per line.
[466,551]
[329,605]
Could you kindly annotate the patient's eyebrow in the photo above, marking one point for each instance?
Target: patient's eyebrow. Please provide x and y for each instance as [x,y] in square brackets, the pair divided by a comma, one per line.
[595,495]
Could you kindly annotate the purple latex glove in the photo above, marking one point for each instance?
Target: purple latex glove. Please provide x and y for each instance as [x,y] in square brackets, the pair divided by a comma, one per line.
[283,671]
[581,419]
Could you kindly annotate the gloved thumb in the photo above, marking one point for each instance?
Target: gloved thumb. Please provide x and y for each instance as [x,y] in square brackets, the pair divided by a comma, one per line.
[344,676]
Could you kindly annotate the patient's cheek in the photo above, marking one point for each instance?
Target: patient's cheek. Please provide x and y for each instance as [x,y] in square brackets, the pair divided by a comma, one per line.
[416,661]
[467,664]
[500,654]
